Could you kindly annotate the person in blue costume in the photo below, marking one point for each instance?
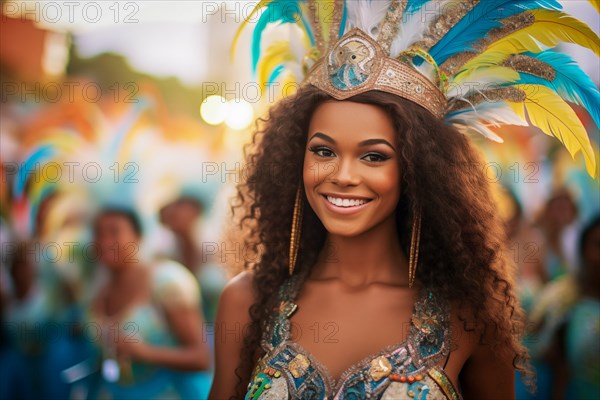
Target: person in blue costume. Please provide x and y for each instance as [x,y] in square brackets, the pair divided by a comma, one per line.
[147,320]
[375,255]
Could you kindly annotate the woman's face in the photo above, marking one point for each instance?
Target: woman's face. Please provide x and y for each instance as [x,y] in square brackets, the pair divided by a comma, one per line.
[351,167]
[116,241]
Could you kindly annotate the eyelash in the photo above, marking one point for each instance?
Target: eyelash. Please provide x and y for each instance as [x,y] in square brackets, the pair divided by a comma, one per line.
[317,149]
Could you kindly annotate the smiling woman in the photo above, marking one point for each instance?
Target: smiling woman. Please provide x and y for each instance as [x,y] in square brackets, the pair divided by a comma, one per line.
[381,269]
[348,316]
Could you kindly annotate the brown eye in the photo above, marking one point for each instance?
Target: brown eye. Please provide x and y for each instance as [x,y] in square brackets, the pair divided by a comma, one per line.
[321,151]
[375,157]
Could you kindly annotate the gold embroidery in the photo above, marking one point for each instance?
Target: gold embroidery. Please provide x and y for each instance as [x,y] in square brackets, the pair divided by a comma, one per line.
[299,365]
[380,368]
[443,382]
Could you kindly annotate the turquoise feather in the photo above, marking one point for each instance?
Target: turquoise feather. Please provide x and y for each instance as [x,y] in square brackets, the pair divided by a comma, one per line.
[275,74]
[413,6]
[477,23]
[280,12]
[343,20]
[571,83]
[32,164]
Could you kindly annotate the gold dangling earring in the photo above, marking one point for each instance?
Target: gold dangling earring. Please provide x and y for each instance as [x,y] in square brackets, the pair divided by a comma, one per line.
[296,225]
[414,247]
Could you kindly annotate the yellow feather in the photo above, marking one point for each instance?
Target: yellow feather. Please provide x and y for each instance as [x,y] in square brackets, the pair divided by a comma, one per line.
[277,53]
[549,28]
[304,10]
[549,112]
[486,74]
[260,5]
[290,83]
[325,9]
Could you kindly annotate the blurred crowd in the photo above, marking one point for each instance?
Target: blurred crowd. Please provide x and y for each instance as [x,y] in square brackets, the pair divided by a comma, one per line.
[111,222]
[125,327]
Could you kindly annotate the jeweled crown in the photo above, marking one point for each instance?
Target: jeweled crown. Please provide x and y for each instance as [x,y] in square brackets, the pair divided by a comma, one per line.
[358,64]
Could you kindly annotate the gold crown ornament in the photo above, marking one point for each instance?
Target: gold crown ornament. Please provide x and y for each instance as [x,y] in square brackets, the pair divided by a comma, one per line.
[476,64]
[357,64]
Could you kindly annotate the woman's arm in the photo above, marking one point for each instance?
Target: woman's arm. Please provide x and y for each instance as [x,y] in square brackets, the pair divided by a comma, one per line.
[232,319]
[192,354]
[488,376]
[175,291]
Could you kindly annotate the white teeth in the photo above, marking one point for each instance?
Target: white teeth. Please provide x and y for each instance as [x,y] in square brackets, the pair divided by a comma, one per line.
[345,202]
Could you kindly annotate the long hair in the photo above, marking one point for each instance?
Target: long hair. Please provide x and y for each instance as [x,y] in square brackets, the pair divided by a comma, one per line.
[462,238]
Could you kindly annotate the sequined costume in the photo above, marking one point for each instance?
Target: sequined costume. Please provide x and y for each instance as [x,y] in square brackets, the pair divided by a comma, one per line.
[410,370]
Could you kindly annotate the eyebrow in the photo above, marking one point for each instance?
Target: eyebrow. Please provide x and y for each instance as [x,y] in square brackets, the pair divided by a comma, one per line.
[361,144]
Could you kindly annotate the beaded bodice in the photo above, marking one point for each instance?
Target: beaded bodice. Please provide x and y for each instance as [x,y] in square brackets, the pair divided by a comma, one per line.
[409,370]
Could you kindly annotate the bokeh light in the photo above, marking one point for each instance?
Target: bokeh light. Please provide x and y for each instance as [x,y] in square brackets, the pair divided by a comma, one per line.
[213,110]
[239,114]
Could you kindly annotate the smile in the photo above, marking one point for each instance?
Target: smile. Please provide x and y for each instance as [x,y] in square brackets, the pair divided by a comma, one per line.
[337,201]
[345,206]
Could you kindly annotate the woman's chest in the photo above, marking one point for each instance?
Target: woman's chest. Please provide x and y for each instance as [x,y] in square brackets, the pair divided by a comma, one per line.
[398,372]
[375,363]
[343,331]
[116,300]
[138,318]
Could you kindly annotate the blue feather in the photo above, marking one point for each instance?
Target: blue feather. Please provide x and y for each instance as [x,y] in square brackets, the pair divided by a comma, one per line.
[343,20]
[571,83]
[477,23]
[275,74]
[31,167]
[412,6]
[277,11]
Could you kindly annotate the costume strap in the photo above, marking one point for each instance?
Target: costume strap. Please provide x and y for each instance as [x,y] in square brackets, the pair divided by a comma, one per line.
[278,327]
[430,329]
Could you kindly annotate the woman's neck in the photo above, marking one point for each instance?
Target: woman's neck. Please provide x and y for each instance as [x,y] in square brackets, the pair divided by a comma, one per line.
[374,256]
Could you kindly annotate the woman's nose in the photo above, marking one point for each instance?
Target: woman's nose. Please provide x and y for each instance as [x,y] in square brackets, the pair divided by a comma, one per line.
[345,173]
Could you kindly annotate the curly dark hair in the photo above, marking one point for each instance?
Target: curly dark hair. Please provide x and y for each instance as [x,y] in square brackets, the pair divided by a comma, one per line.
[462,238]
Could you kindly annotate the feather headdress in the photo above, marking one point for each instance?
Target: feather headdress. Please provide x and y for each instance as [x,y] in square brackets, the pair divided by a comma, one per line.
[476,64]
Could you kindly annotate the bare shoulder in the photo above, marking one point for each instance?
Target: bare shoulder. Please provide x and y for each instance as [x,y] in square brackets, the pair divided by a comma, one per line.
[238,292]
[233,314]
[232,317]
